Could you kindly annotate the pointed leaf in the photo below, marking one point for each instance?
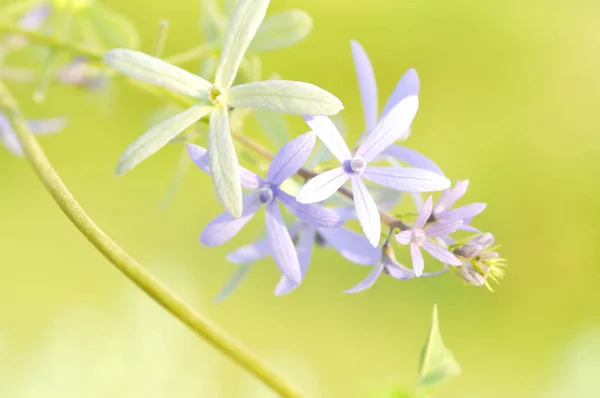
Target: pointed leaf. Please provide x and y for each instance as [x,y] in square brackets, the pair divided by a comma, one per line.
[244,23]
[152,70]
[437,362]
[296,98]
[281,30]
[223,162]
[159,136]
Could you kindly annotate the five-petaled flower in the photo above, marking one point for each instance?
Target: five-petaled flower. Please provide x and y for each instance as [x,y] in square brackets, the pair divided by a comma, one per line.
[216,99]
[8,137]
[443,207]
[354,167]
[268,193]
[419,237]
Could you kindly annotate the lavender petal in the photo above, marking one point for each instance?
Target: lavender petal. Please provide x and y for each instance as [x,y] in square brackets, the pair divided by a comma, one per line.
[404,237]
[441,254]
[330,136]
[304,248]
[443,228]
[469,211]
[250,253]
[417,259]
[406,179]
[323,186]
[366,210]
[234,281]
[352,246]
[368,281]
[313,214]
[225,226]
[282,246]
[47,126]
[407,86]
[424,214]
[291,158]
[450,196]
[412,158]
[366,84]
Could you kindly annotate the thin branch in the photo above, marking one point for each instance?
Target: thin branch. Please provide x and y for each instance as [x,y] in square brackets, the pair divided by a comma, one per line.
[127,265]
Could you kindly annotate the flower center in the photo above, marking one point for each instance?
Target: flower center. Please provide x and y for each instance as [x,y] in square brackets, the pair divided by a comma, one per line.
[419,236]
[215,96]
[265,195]
[357,165]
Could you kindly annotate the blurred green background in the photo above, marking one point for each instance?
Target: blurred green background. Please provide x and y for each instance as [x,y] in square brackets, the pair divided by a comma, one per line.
[509,100]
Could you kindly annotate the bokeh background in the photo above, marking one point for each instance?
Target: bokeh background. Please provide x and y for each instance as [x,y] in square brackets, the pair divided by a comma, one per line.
[509,100]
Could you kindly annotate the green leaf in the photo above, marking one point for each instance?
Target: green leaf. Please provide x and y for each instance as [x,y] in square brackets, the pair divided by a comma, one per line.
[146,68]
[223,162]
[159,136]
[115,29]
[285,96]
[437,363]
[282,30]
[246,19]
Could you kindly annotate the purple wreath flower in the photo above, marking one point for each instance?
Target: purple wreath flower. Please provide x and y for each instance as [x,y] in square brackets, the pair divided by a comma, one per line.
[390,128]
[408,85]
[352,246]
[418,237]
[8,137]
[267,192]
[442,209]
[390,266]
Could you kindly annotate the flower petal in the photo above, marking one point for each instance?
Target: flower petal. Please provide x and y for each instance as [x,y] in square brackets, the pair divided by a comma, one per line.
[281,30]
[406,179]
[313,214]
[469,211]
[417,259]
[450,196]
[330,136]
[424,214]
[152,70]
[234,281]
[199,156]
[352,246]
[158,136]
[404,237]
[368,281]
[407,86]
[323,186]
[397,270]
[412,158]
[366,210]
[244,23]
[441,254]
[296,98]
[366,84]
[304,249]
[443,228]
[250,253]
[47,126]
[282,246]
[291,158]
[224,227]
[393,127]
[223,162]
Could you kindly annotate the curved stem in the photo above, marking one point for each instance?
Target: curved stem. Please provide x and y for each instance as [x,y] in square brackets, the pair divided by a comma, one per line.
[202,326]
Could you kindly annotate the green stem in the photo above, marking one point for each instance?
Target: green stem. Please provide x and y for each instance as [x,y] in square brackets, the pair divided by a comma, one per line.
[202,326]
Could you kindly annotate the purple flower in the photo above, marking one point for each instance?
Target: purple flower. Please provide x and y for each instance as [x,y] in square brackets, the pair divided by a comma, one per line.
[407,86]
[8,137]
[390,266]
[354,167]
[267,192]
[352,246]
[442,209]
[418,237]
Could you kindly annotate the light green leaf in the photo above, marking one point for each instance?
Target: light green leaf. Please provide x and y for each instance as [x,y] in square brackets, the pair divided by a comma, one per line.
[296,98]
[437,363]
[223,162]
[246,19]
[273,124]
[115,29]
[152,70]
[282,30]
[159,136]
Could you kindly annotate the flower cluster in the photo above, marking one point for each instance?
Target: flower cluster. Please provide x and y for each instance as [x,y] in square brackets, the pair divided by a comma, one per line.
[321,194]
